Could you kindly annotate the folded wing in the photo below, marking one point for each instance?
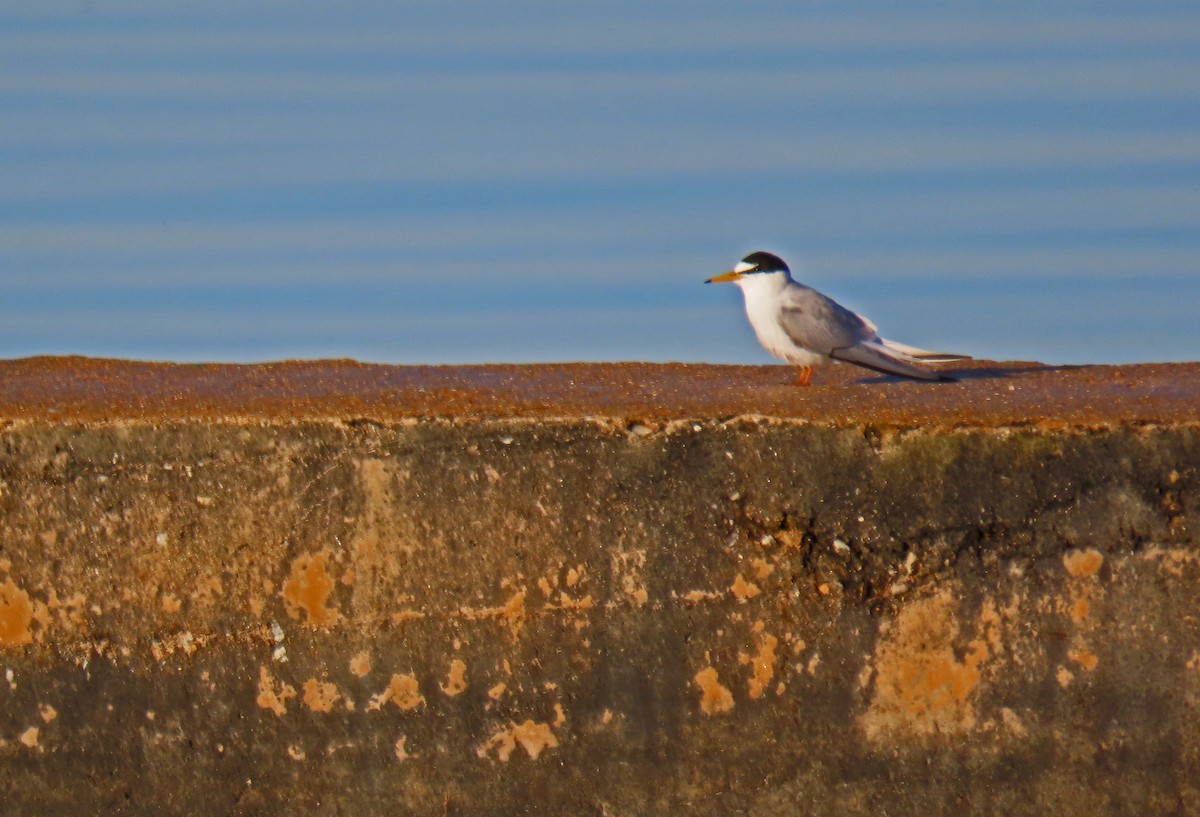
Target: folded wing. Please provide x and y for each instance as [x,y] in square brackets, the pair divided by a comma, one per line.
[874,355]
[824,326]
[820,324]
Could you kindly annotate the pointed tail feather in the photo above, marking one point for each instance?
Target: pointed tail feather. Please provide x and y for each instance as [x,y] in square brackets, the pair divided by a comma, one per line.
[913,352]
[881,359]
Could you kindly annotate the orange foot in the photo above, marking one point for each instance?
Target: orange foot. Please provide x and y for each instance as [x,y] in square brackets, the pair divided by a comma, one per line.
[805,376]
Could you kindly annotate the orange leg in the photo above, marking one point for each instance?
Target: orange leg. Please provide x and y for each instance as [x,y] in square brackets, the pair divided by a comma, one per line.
[805,376]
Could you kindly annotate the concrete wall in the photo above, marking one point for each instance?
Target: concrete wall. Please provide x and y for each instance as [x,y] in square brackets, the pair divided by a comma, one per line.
[587,614]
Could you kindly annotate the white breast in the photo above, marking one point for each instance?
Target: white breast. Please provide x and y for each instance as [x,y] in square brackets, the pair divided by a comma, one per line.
[762,294]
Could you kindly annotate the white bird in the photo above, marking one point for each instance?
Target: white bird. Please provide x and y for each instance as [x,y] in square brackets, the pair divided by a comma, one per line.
[800,325]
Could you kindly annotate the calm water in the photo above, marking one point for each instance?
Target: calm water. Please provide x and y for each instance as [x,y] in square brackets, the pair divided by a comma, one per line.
[528,181]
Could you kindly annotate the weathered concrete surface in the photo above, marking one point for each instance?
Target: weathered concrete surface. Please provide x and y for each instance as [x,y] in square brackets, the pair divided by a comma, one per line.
[330,588]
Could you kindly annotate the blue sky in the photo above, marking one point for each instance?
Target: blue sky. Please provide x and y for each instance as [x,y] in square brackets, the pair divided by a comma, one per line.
[463,182]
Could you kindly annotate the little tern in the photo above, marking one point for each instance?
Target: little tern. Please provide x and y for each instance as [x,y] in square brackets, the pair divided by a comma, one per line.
[796,323]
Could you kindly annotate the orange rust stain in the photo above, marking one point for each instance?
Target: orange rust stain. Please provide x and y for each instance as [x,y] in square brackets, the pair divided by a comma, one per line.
[47,712]
[16,614]
[308,589]
[790,539]
[762,568]
[1084,658]
[531,736]
[268,697]
[633,587]
[1083,563]
[207,590]
[171,603]
[320,696]
[628,564]
[403,691]
[456,681]
[565,602]
[922,688]
[714,698]
[762,665]
[495,692]
[568,603]
[743,589]
[511,612]
[1080,608]
[560,717]
[514,611]
[69,611]
[184,642]
[29,738]
[991,619]
[1064,677]
[360,664]
[1013,722]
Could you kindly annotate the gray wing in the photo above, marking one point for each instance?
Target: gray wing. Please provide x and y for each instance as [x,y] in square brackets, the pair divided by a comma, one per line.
[824,326]
[821,324]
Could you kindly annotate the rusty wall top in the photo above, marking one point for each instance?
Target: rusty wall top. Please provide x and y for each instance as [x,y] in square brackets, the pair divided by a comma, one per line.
[77,389]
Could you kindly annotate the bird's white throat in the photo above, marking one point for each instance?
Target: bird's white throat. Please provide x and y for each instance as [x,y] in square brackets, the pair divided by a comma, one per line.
[763,295]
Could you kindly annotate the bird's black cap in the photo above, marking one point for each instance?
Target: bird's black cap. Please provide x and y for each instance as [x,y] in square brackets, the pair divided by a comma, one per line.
[766,262]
